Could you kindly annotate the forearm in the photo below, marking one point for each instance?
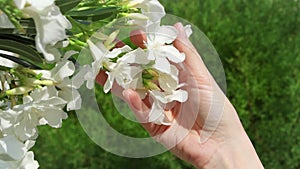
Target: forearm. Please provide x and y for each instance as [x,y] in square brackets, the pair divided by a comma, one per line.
[234,149]
[235,155]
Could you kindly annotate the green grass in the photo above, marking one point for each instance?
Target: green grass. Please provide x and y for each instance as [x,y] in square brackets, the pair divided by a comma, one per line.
[258,43]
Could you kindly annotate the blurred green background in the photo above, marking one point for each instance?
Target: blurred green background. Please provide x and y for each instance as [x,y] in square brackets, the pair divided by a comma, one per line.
[259,44]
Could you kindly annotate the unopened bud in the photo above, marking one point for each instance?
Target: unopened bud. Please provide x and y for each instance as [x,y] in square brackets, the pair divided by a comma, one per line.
[136,16]
[133,4]
[19,90]
[48,82]
[111,38]
[150,85]
[153,73]
[35,82]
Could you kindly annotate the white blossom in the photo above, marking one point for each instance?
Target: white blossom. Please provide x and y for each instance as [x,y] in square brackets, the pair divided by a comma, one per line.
[161,53]
[42,106]
[50,25]
[11,148]
[61,76]
[151,9]
[27,162]
[101,55]
[161,99]
[122,73]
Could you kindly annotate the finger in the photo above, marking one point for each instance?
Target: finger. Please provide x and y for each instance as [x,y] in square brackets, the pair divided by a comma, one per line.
[119,43]
[116,89]
[141,112]
[138,37]
[136,104]
[193,61]
[101,78]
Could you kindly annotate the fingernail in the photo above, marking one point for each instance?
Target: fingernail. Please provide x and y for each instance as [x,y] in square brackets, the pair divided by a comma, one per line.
[125,95]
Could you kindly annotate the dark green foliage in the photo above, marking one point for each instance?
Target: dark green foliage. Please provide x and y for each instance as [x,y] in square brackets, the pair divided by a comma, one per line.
[259,44]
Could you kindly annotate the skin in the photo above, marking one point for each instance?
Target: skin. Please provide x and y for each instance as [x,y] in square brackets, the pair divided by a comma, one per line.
[219,144]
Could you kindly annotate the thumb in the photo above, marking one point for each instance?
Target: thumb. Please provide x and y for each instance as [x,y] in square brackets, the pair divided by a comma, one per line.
[137,105]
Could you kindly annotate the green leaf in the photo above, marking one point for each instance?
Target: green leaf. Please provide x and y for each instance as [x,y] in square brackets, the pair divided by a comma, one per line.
[27,25]
[2,68]
[24,52]
[95,13]
[21,39]
[66,6]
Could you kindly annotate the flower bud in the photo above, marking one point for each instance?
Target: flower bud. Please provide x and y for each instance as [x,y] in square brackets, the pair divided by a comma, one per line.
[19,90]
[153,73]
[48,82]
[34,82]
[150,85]
[111,38]
[136,16]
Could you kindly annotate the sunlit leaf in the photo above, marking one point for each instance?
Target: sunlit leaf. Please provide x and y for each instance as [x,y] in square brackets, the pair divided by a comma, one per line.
[23,52]
[94,13]
[66,6]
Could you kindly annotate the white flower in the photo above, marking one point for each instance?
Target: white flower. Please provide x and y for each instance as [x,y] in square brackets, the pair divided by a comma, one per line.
[43,106]
[50,25]
[137,56]
[68,91]
[11,148]
[101,56]
[137,19]
[160,98]
[27,162]
[122,73]
[188,30]
[7,120]
[60,74]
[160,52]
[62,70]
[152,10]
[169,82]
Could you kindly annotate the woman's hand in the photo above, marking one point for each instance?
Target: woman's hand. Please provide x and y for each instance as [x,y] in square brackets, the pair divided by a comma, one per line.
[205,130]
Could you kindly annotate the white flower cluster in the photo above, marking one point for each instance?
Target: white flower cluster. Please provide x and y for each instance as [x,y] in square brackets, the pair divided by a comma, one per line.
[50,25]
[39,97]
[150,71]
[36,101]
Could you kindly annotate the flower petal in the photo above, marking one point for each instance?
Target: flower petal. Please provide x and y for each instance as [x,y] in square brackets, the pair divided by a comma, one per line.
[28,162]
[54,117]
[178,95]
[109,83]
[12,147]
[168,82]
[172,53]
[188,30]
[162,64]
[156,112]
[166,34]
[97,53]
[138,56]
[63,70]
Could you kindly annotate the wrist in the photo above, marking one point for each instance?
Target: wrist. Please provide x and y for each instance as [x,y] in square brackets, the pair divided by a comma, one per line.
[233,154]
[234,149]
